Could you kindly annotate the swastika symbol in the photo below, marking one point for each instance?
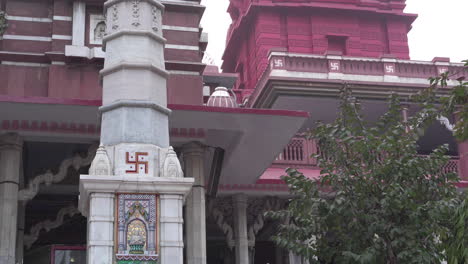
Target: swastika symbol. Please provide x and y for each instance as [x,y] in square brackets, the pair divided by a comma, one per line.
[136,162]
[389,69]
[335,66]
[278,62]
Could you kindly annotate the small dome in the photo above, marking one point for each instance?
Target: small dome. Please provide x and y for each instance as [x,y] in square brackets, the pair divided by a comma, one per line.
[222,98]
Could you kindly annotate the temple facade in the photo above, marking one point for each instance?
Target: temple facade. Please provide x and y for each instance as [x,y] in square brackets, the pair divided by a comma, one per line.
[118,145]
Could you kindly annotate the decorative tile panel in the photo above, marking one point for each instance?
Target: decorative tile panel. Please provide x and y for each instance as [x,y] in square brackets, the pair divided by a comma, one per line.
[137,229]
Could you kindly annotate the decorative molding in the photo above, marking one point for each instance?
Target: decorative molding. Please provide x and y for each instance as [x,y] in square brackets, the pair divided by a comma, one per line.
[47,225]
[182,47]
[135,104]
[31,38]
[101,164]
[179,28]
[82,129]
[49,126]
[221,210]
[62,18]
[62,37]
[29,19]
[48,178]
[188,132]
[25,64]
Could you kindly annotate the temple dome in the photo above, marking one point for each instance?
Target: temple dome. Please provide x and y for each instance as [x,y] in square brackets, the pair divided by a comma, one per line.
[221,98]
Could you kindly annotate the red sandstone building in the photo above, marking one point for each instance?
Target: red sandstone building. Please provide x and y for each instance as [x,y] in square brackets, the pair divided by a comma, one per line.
[284,63]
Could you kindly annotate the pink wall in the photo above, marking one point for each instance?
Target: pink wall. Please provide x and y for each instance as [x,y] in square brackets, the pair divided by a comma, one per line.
[78,78]
[305,26]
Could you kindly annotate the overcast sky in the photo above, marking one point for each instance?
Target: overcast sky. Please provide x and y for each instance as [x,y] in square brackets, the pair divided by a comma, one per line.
[440,30]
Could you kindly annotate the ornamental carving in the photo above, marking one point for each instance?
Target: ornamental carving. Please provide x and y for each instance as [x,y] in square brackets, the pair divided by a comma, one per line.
[172,167]
[156,22]
[3,22]
[48,225]
[136,13]
[49,178]
[256,214]
[115,17]
[137,228]
[101,164]
[221,211]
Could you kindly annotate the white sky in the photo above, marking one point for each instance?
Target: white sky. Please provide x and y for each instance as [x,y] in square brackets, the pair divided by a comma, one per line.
[440,30]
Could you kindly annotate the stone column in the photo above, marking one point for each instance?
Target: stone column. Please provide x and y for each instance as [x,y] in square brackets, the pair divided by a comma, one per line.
[10,157]
[20,232]
[195,215]
[240,229]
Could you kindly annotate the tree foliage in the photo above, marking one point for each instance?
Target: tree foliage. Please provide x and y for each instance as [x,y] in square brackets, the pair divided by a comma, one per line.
[455,103]
[377,200]
[3,22]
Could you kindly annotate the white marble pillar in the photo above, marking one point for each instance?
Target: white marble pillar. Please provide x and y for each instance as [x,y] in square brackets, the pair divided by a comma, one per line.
[134,162]
[240,229]
[10,157]
[195,215]
[101,228]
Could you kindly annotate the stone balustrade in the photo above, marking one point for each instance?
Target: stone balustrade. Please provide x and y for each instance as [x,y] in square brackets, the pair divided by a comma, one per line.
[385,72]
[299,152]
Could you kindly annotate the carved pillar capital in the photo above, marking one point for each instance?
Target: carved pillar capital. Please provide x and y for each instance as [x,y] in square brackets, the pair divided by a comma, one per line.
[11,141]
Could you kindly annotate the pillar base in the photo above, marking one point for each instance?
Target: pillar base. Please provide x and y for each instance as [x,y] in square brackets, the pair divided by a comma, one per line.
[100,203]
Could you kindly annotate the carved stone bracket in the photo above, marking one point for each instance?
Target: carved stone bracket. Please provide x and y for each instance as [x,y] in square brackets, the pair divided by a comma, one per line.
[48,178]
[255,214]
[221,210]
[48,225]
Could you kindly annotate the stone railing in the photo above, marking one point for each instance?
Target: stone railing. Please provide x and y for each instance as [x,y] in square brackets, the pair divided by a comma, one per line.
[299,152]
[364,66]
[355,69]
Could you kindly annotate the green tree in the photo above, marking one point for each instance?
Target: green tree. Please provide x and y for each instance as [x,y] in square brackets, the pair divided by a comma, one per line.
[455,236]
[3,22]
[456,103]
[377,200]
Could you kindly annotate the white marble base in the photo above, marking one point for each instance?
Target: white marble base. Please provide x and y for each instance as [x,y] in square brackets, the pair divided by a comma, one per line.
[97,202]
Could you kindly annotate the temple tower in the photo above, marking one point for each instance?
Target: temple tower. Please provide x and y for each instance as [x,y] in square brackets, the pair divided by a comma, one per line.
[134,193]
[357,28]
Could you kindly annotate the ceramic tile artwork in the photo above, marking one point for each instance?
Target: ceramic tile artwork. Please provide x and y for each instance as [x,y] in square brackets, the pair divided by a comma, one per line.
[137,229]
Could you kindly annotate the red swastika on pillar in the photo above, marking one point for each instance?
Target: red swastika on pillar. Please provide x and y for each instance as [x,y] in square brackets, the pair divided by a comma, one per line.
[136,162]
